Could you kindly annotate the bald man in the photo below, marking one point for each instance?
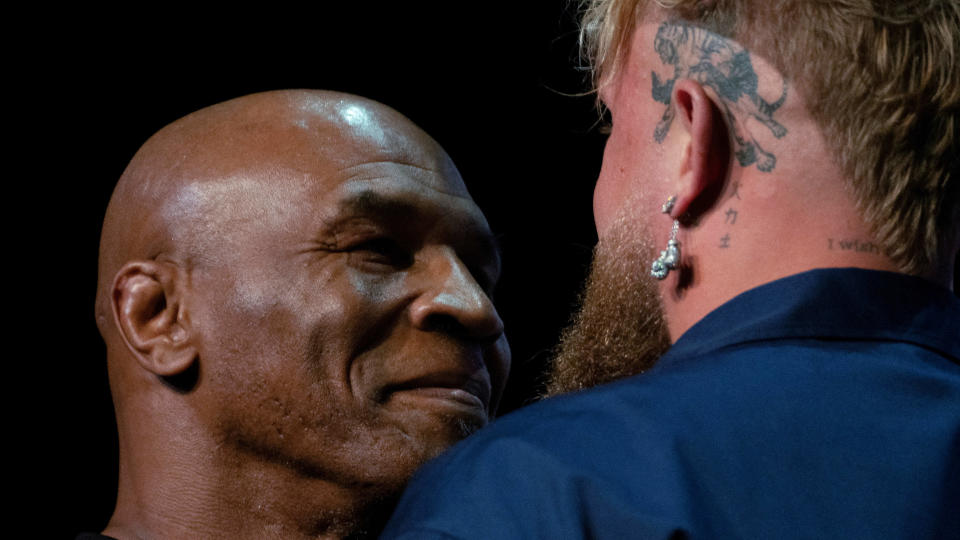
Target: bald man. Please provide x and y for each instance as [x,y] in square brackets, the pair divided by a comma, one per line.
[294,290]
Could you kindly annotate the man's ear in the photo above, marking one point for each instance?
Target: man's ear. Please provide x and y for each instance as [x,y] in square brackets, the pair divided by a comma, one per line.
[150,317]
[706,158]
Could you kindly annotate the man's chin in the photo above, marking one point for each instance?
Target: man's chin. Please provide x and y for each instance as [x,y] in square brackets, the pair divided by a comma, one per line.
[619,329]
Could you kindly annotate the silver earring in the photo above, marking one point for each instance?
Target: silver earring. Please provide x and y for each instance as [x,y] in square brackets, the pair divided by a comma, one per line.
[670,257]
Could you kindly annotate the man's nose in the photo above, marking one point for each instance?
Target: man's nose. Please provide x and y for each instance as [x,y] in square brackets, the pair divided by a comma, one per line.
[452,301]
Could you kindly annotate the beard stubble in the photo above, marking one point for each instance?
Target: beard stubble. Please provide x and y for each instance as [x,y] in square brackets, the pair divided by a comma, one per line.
[619,329]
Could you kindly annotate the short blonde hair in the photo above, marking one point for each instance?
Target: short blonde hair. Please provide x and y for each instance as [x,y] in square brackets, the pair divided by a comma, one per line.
[881,79]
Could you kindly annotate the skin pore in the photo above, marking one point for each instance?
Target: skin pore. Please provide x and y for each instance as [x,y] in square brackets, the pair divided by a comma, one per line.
[295,295]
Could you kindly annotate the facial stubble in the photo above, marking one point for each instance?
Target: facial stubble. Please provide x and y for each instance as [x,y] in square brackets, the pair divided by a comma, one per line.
[619,329]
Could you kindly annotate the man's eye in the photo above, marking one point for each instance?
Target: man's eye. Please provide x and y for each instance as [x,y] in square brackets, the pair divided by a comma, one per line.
[384,251]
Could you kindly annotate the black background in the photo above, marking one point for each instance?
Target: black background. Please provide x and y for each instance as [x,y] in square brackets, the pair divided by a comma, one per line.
[494,83]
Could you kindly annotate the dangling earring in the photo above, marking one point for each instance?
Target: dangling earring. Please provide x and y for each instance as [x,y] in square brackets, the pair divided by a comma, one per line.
[670,257]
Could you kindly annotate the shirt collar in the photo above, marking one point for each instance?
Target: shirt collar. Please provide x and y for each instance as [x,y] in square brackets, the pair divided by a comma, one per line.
[845,303]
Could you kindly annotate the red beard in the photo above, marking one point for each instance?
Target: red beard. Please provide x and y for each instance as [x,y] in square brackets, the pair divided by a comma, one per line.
[619,329]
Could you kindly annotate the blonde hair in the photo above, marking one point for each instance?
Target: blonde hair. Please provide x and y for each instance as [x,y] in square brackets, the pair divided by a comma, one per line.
[880,78]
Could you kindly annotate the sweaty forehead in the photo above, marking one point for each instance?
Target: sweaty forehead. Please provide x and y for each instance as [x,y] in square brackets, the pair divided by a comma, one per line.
[314,134]
[352,134]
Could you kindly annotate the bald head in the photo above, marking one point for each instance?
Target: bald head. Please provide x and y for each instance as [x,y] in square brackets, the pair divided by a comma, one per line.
[294,285]
[160,205]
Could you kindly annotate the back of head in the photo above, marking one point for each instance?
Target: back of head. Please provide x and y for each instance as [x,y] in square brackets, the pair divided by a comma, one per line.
[879,78]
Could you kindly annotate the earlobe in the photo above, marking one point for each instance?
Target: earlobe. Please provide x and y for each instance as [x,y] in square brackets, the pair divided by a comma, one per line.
[705,161]
[150,319]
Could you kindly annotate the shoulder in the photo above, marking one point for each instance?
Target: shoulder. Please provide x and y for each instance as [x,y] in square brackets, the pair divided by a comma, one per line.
[549,470]
[773,395]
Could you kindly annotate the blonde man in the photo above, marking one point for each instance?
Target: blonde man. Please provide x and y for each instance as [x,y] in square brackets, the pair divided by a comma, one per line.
[778,207]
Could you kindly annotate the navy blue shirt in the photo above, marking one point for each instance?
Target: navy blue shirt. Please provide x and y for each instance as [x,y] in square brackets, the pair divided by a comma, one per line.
[822,405]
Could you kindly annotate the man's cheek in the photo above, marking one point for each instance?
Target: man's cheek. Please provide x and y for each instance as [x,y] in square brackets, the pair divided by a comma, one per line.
[604,202]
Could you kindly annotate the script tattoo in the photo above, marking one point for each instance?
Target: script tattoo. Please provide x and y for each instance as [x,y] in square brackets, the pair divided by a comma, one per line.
[731,216]
[724,66]
[864,246]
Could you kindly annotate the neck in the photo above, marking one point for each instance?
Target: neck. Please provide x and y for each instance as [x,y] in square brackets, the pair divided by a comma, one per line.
[769,229]
[197,488]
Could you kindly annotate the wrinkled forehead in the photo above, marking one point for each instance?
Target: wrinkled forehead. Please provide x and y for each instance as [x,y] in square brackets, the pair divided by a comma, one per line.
[309,157]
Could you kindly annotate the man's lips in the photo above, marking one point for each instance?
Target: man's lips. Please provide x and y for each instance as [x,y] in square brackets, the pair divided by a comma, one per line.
[471,390]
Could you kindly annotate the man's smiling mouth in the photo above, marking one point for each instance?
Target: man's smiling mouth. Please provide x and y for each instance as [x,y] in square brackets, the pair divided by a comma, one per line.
[463,390]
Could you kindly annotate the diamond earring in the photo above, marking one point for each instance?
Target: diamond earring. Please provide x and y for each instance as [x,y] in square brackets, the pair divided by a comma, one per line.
[670,257]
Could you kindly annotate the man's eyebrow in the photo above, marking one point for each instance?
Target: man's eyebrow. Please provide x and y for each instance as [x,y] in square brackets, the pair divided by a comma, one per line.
[371,202]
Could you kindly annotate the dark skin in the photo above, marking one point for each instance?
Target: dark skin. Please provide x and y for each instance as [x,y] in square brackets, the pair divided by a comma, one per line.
[295,296]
